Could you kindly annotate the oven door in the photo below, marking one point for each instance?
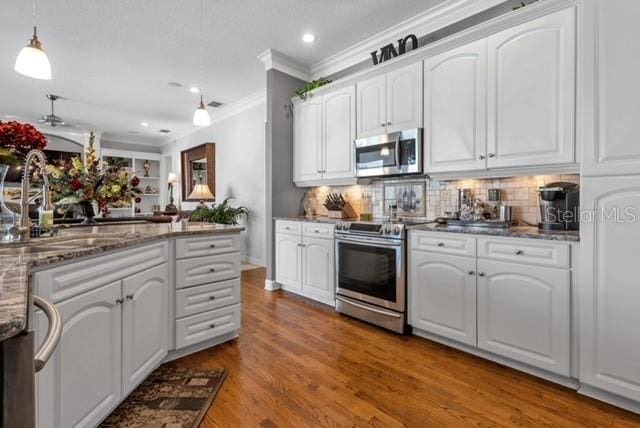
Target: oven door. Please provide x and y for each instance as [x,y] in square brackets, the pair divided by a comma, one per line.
[371,270]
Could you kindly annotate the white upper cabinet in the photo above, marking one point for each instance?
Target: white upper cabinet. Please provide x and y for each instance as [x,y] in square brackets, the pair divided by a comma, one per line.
[390,102]
[307,119]
[524,313]
[531,93]
[338,128]
[609,291]
[442,295]
[404,98]
[372,106]
[455,109]
[145,332]
[612,89]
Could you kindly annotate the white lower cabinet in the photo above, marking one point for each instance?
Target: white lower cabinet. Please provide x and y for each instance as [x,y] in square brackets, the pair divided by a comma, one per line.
[305,260]
[145,332]
[81,383]
[524,313]
[442,295]
[518,310]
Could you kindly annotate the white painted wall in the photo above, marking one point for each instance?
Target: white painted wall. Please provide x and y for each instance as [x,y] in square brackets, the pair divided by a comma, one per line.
[239,169]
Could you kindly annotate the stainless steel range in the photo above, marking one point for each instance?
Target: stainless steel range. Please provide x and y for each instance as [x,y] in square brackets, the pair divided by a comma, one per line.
[371,272]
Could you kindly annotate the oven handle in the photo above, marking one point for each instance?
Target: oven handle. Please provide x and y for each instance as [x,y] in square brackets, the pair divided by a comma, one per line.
[371,242]
[369,308]
[54,331]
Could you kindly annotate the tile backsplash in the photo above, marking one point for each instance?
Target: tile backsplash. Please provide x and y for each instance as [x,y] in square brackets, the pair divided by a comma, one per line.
[441,196]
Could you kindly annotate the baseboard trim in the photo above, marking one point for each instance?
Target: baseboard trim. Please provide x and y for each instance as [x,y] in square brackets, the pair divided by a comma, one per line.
[271,285]
[607,397]
[551,377]
[252,260]
[183,352]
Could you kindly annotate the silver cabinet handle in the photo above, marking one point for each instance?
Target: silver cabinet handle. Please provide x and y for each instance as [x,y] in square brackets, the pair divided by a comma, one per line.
[212,297]
[382,124]
[287,227]
[214,245]
[388,123]
[480,273]
[212,325]
[440,244]
[492,155]
[212,269]
[517,252]
[54,331]
[471,272]
[129,296]
[481,157]
[119,301]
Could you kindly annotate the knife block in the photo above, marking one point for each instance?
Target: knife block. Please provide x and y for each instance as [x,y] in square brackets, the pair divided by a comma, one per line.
[346,212]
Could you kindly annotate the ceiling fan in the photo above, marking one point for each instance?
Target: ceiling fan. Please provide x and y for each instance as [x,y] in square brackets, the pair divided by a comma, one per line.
[52,119]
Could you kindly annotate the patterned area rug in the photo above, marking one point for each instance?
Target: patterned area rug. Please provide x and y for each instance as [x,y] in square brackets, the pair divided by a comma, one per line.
[170,397]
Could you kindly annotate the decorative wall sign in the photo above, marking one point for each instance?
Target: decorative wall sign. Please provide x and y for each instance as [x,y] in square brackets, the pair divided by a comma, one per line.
[389,51]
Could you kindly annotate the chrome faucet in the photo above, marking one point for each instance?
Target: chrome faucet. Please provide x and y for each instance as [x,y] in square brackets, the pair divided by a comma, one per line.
[23,231]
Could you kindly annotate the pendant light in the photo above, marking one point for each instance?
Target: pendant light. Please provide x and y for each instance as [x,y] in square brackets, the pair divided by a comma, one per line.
[201,116]
[32,61]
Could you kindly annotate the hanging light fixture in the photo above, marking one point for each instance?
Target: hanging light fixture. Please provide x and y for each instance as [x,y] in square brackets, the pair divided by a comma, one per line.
[32,61]
[201,116]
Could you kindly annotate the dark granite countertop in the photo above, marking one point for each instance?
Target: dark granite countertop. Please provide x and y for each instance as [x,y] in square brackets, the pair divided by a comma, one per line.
[15,267]
[512,232]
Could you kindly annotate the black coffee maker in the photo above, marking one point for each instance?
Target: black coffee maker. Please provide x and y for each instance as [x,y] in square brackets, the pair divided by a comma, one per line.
[559,206]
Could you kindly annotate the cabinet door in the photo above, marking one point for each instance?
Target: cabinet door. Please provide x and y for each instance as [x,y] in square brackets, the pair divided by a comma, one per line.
[531,92]
[612,91]
[318,268]
[455,109]
[288,261]
[307,158]
[524,313]
[145,332]
[339,131]
[81,383]
[442,295]
[609,291]
[372,107]
[404,98]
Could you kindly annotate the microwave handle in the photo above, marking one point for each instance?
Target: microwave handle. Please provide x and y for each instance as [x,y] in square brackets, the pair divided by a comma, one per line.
[397,151]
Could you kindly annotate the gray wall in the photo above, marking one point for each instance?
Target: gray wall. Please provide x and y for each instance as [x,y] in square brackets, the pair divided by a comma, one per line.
[283,197]
[239,170]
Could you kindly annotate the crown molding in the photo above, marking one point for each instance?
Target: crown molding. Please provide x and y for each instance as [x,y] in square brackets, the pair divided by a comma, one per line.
[446,13]
[273,59]
[225,112]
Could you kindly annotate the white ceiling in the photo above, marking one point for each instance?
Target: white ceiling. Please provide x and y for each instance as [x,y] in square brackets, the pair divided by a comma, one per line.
[113,59]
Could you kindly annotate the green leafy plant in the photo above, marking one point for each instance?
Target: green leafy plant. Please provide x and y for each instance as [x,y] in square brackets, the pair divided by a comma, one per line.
[303,92]
[222,214]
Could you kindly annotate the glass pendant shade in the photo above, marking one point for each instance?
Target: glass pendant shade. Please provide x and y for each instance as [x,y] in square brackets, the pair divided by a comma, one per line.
[32,61]
[201,116]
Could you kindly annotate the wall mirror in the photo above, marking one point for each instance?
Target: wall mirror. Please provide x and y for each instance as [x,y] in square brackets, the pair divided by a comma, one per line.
[198,167]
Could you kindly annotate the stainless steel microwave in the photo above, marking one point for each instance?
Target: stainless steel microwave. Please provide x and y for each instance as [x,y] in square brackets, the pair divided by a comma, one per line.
[397,153]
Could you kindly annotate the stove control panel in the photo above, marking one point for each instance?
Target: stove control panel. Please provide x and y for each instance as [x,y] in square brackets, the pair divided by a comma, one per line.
[392,230]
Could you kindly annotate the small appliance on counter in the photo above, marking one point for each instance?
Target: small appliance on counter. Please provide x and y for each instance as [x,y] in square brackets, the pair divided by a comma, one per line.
[398,153]
[559,206]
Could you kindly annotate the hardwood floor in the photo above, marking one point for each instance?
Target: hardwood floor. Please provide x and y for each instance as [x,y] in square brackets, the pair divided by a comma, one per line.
[299,364]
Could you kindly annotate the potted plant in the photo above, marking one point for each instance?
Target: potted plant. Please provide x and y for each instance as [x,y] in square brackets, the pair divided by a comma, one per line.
[222,213]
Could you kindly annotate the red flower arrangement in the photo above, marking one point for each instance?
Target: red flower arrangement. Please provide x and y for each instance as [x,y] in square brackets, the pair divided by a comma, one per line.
[17,139]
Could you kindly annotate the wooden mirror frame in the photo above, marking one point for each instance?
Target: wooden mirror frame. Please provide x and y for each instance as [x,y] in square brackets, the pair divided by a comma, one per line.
[208,151]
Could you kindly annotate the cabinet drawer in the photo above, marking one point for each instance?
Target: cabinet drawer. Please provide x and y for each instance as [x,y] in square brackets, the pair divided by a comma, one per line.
[317,230]
[445,243]
[289,227]
[206,326]
[194,300]
[204,270]
[529,251]
[207,245]
[69,280]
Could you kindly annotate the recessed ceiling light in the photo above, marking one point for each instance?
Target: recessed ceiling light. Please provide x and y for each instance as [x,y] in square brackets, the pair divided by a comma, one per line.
[194,90]
[164,131]
[308,38]
[145,124]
